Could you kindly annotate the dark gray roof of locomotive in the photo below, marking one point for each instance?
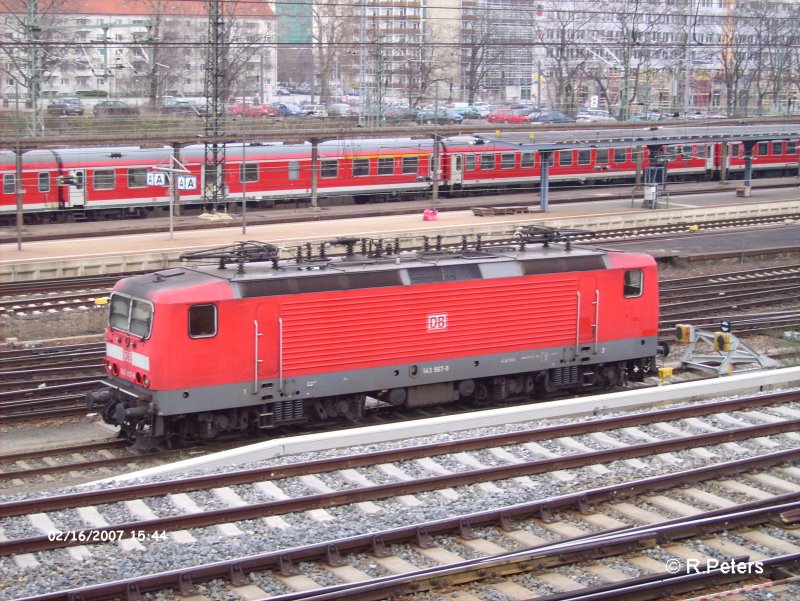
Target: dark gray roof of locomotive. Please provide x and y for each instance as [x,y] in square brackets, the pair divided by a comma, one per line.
[262,279]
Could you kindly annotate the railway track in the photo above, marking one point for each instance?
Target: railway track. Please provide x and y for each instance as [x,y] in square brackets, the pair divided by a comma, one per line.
[530,507]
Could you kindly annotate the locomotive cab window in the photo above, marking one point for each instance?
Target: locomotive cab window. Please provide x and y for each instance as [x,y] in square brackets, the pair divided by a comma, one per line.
[130,315]
[202,321]
[634,283]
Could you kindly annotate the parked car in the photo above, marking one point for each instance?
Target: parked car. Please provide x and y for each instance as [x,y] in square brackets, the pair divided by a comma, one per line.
[400,114]
[179,107]
[509,116]
[469,112]
[340,109]
[114,107]
[287,110]
[315,110]
[549,117]
[593,116]
[651,116]
[483,108]
[707,115]
[439,116]
[252,109]
[65,106]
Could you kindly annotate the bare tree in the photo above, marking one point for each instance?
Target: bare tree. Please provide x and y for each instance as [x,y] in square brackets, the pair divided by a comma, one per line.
[50,34]
[421,65]
[619,64]
[478,55]
[559,28]
[334,25]
[774,35]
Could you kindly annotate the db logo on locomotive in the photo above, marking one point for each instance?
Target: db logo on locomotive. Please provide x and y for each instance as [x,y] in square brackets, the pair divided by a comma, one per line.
[437,322]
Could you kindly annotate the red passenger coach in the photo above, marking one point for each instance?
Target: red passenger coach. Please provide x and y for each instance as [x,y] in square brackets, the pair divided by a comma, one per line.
[195,352]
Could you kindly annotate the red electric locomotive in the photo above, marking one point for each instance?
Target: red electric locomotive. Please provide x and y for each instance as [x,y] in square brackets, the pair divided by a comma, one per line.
[254,342]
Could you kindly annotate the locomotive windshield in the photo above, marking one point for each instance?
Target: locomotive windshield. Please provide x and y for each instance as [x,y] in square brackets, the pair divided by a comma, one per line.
[131,315]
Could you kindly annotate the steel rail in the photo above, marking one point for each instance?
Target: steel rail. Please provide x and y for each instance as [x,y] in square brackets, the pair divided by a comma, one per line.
[235,570]
[549,555]
[127,493]
[80,448]
[380,492]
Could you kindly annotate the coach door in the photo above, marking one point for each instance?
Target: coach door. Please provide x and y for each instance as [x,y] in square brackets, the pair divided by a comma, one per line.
[457,169]
[76,187]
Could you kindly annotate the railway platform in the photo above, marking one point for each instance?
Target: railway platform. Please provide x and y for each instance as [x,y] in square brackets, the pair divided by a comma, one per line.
[72,249]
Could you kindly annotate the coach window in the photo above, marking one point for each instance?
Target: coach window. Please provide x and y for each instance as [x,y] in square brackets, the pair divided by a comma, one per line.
[410,165]
[294,170]
[634,280]
[602,156]
[777,148]
[763,149]
[103,179]
[565,158]
[584,157]
[360,167]
[8,183]
[44,182]
[487,162]
[508,160]
[620,155]
[202,321]
[701,151]
[791,147]
[386,166]
[248,172]
[527,160]
[329,168]
[137,177]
